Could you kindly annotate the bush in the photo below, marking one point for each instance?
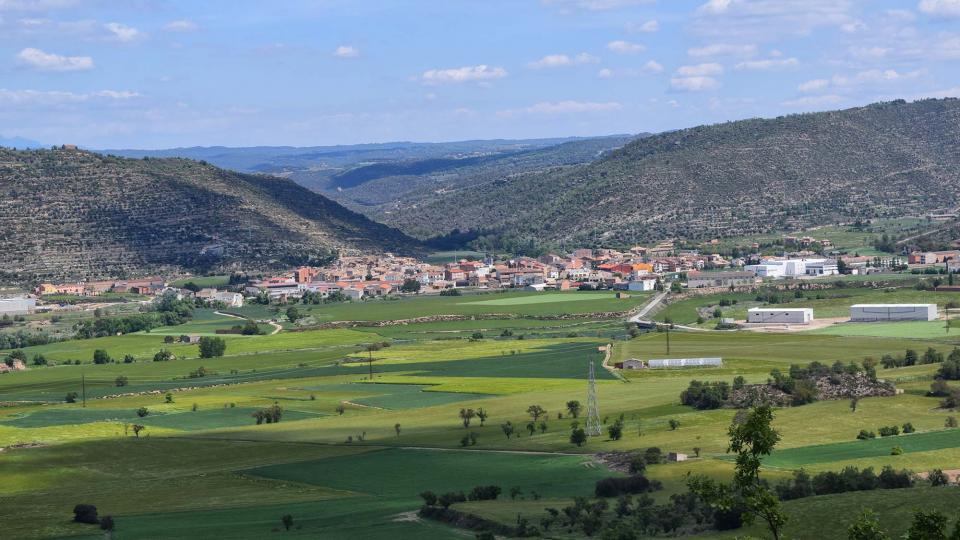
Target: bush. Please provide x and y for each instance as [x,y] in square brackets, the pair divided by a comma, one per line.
[705,395]
[896,451]
[888,431]
[85,513]
[864,435]
[908,428]
[143,411]
[891,479]
[211,347]
[484,493]
[616,485]
[653,456]
[100,356]
[938,478]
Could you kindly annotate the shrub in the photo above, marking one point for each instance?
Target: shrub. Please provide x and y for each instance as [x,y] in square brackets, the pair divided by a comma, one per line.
[888,431]
[85,513]
[896,451]
[484,493]
[908,428]
[864,435]
[705,395]
[615,486]
[938,478]
[142,411]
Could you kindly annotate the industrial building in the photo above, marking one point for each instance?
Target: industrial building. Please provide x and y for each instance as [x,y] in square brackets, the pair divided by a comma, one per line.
[684,362]
[781,315]
[17,306]
[893,312]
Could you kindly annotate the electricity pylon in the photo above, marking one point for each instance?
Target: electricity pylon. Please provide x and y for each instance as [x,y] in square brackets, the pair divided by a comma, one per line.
[593,410]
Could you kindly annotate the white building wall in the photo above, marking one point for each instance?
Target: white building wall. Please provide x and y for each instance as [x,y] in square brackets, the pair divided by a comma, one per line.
[17,306]
[893,312]
[788,316]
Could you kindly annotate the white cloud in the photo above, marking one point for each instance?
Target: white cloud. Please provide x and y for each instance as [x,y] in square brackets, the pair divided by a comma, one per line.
[123,33]
[594,5]
[646,27]
[694,84]
[874,52]
[770,20]
[562,60]
[875,76]
[723,49]
[768,64]
[43,61]
[34,5]
[625,47]
[813,85]
[700,70]
[346,51]
[853,27]
[182,25]
[940,8]
[477,73]
[605,73]
[55,97]
[814,101]
[652,66]
[563,107]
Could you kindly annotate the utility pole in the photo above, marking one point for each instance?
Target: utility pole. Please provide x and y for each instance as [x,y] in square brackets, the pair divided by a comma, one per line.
[83,388]
[668,339]
[370,361]
[593,410]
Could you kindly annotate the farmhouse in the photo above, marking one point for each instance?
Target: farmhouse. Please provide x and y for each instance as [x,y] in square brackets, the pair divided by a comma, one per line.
[676,456]
[684,362]
[893,312]
[632,363]
[781,315]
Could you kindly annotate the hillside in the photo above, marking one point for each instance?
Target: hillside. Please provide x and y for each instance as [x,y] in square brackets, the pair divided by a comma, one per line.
[71,214]
[751,176]
[381,187]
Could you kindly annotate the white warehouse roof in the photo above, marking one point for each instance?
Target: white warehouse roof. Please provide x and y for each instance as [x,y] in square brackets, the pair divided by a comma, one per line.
[792,310]
[891,305]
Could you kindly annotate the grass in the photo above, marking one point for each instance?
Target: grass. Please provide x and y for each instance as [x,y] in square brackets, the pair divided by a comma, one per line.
[906,329]
[805,456]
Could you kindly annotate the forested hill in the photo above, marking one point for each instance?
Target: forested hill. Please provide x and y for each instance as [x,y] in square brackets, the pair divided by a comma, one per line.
[886,159]
[74,214]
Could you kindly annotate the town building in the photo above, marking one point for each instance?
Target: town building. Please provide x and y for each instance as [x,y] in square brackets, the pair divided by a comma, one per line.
[696,280]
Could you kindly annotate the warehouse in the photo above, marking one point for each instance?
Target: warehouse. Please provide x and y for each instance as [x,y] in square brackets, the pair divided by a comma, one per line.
[684,362]
[893,312]
[782,315]
[17,306]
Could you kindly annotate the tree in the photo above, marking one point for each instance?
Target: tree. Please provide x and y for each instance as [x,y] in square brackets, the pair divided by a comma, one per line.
[293,314]
[674,424]
[578,436]
[429,498]
[85,513]
[507,428]
[410,286]
[143,411]
[287,521]
[211,347]
[396,427]
[866,527]
[573,407]
[128,359]
[532,428]
[482,415]
[106,523]
[137,428]
[163,356]
[536,411]
[71,397]
[100,356]
[615,430]
[853,404]
[751,437]
[938,478]
[696,451]
[168,398]
[466,415]
[340,409]
[121,380]
[250,328]
[950,422]
[930,525]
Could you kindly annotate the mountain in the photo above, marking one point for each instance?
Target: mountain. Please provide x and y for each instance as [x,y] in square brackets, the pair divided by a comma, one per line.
[751,176]
[379,188]
[278,159]
[19,142]
[68,214]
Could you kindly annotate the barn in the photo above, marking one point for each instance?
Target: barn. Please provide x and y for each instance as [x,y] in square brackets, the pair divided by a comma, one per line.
[684,362]
[893,312]
[781,315]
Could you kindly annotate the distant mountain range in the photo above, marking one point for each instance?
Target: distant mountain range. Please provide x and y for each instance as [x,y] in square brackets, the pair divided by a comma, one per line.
[752,176]
[68,214]
[19,143]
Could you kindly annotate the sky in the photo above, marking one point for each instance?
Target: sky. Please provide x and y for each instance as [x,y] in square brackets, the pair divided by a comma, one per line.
[167,73]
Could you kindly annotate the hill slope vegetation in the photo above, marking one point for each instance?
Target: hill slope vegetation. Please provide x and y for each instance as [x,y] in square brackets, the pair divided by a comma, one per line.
[72,214]
[751,176]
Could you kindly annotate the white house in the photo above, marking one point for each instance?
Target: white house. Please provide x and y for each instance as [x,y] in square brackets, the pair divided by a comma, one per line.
[642,284]
[231,299]
[782,315]
[893,312]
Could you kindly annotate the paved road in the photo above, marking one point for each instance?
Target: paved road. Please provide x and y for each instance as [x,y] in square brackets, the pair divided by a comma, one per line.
[654,302]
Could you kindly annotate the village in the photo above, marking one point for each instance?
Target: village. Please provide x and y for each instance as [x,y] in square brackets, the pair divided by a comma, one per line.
[638,269]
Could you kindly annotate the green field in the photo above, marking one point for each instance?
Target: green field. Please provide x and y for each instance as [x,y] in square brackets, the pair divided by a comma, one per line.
[351,453]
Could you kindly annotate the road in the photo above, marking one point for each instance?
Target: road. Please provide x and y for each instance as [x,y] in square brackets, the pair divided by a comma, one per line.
[276,327]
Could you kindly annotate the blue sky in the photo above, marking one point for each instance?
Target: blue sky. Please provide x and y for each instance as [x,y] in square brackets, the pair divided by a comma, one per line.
[163,73]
